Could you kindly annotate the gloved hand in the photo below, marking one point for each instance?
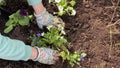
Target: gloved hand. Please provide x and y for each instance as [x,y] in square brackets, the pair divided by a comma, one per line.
[46,55]
[46,19]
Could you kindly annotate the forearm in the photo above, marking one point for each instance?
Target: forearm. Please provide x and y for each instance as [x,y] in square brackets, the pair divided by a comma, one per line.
[34,2]
[37,6]
[11,49]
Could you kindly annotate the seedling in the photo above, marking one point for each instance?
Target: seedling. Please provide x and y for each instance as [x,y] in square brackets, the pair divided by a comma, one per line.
[18,18]
[64,6]
[52,37]
[2,2]
[55,39]
[73,58]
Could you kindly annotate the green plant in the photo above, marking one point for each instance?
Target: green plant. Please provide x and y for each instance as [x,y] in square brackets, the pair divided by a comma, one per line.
[18,18]
[52,37]
[36,40]
[2,2]
[73,58]
[64,6]
[55,39]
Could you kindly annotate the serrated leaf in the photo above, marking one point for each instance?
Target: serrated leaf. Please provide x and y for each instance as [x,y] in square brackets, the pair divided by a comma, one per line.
[72,3]
[63,3]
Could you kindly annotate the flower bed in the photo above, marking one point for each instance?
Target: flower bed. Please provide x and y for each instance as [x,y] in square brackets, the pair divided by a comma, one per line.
[86,31]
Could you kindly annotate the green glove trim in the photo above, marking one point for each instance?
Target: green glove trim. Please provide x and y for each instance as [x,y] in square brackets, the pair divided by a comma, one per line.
[33,2]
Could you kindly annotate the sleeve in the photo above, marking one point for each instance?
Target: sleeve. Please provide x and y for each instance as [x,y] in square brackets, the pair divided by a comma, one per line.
[33,2]
[11,49]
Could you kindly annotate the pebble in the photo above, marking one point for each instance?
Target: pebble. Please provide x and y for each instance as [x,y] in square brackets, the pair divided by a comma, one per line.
[87,6]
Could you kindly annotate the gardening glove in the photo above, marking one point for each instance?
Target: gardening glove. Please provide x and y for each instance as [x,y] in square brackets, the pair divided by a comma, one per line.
[46,19]
[46,55]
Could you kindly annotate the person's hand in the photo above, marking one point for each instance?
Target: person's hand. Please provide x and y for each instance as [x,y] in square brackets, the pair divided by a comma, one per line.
[46,19]
[46,55]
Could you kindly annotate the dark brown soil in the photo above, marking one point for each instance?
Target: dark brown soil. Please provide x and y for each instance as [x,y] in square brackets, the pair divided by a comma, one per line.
[88,31]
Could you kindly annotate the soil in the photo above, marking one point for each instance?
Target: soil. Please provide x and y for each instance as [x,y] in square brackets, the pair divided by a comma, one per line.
[88,31]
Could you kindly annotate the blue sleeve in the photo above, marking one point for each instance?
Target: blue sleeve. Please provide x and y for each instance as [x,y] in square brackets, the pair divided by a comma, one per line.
[11,49]
[33,2]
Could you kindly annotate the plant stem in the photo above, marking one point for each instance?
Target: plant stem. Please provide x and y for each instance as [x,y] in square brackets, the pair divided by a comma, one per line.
[111,44]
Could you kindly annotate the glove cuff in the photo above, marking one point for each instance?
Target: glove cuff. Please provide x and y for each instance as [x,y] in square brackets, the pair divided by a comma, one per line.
[45,56]
[38,52]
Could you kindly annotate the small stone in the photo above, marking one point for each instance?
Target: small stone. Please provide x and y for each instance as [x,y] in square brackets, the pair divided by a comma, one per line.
[87,6]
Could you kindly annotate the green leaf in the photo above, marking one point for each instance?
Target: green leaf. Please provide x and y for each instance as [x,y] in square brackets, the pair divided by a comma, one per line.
[30,16]
[9,22]
[63,3]
[75,55]
[50,1]
[16,19]
[72,64]
[72,3]
[46,40]
[60,41]
[69,8]
[2,2]
[18,13]
[41,43]
[60,13]
[8,29]
[12,16]
[24,21]
[63,55]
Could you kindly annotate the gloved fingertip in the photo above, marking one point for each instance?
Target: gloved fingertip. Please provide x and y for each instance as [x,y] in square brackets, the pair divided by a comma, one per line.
[40,26]
[56,59]
[56,53]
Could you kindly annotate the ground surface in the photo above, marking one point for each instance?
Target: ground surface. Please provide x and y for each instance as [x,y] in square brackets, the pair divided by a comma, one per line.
[88,31]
